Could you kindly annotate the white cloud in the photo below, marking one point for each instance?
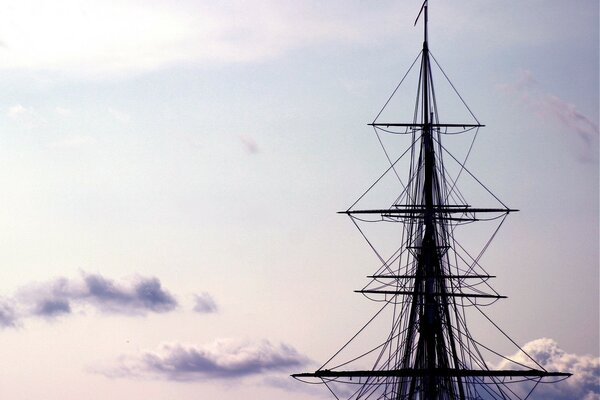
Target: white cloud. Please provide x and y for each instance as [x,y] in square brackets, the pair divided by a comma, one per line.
[89,36]
[18,111]
[584,384]
[24,116]
[96,37]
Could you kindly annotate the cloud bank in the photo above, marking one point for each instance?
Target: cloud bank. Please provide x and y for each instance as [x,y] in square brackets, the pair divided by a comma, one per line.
[222,359]
[583,385]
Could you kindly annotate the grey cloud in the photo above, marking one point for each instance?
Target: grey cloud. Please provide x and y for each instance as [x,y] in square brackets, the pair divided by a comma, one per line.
[150,294]
[48,299]
[60,296]
[104,291]
[222,359]
[146,294]
[51,308]
[205,303]
[8,315]
[585,369]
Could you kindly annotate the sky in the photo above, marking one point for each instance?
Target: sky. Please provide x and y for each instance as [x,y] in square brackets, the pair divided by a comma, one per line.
[171,173]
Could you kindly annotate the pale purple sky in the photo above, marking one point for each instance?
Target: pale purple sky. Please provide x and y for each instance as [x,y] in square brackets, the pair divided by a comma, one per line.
[171,173]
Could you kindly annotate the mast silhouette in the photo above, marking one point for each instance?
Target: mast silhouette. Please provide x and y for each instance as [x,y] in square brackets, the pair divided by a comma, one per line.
[429,353]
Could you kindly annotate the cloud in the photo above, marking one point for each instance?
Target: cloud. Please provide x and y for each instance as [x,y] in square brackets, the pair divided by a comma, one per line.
[25,116]
[51,308]
[48,299]
[8,315]
[205,303]
[548,107]
[249,144]
[131,36]
[18,111]
[569,117]
[222,359]
[100,38]
[58,297]
[143,295]
[585,369]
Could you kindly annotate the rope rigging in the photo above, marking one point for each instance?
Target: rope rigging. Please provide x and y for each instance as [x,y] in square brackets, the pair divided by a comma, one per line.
[428,282]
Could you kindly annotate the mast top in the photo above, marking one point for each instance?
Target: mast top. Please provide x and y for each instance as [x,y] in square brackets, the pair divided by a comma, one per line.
[423,11]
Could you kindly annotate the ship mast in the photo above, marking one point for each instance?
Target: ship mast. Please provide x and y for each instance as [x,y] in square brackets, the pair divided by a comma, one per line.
[429,355]
[434,323]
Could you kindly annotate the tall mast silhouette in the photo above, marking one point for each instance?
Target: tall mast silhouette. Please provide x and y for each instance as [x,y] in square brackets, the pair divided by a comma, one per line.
[428,283]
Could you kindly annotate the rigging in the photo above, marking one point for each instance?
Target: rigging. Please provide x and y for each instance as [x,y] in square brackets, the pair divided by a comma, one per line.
[428,283]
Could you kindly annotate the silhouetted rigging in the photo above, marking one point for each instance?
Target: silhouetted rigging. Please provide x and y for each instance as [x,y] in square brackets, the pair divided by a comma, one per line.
[430,280]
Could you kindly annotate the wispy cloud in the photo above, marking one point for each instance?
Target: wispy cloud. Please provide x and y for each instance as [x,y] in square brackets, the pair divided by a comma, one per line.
[585,369]
[569,117]
[222,359]
[548,107]
[204,303]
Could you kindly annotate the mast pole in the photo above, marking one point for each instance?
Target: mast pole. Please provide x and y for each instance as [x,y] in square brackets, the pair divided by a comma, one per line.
[428,323]
[433,350]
